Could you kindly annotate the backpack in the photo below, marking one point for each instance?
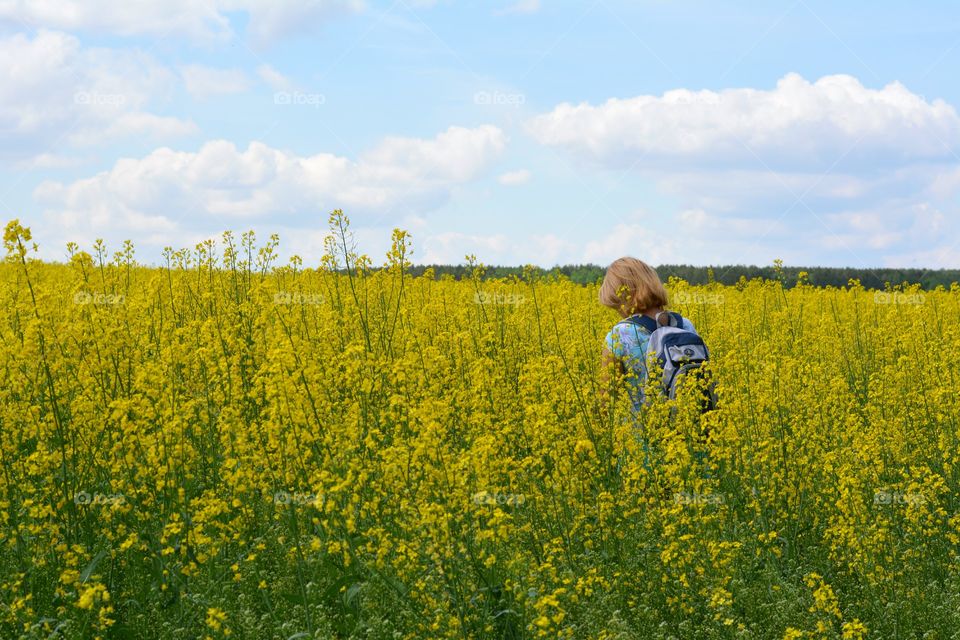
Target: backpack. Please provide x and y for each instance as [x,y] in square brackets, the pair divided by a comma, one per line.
[680,354]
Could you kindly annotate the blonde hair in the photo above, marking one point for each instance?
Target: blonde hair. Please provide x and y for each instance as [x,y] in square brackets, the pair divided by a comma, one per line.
[632,286]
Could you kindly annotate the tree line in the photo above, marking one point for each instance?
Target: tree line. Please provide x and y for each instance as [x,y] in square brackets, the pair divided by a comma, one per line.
[873,278]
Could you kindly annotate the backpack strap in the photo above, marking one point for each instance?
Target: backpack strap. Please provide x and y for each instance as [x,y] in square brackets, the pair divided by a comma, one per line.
[648,323]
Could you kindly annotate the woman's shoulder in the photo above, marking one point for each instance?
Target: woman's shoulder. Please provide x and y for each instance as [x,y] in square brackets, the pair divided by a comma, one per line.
[629,333]
[625,333]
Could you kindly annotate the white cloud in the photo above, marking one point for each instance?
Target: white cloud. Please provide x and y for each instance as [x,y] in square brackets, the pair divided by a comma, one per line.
[170,191]
[946,184]
[199,21]
[551,249]
[146,17]
[452,247]
[830,172]
[133,124]
[506,247]
[515,178]
[54,92]
[797,125]
[697,222]
[631,240]
[945,254]
[521,6]
[270,20]
[49,161]
[697,237]
[455,155]
[893,229]
[274,79]
[202,81]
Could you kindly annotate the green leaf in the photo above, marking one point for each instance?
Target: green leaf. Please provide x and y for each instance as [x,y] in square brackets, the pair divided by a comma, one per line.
[93,565]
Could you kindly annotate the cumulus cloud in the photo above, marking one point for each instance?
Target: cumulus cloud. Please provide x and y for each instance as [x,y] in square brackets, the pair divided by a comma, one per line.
[796,125]
[804,164]
[54,92]
[198,21]
[220,185]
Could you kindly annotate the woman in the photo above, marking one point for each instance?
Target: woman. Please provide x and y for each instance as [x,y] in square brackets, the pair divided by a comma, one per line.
[633,289]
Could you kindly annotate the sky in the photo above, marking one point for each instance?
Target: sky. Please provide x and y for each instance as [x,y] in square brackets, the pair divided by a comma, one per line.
[518,131]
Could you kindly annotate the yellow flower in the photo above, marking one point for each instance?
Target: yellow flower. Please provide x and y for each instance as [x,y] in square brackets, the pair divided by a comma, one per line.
[91,595]
[215,618]
[854,630]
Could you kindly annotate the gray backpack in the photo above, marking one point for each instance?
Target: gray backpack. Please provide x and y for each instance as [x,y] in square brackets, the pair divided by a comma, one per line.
[680,354]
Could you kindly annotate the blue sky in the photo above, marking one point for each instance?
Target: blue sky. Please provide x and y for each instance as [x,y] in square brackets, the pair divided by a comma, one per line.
[518,131]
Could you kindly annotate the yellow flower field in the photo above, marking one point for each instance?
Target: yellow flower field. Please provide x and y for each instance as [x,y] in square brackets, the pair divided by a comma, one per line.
[228,447]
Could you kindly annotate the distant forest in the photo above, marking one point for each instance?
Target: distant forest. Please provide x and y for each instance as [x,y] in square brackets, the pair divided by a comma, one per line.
[818,276]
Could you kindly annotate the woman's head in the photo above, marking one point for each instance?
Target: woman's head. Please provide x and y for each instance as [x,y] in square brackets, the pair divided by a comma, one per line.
[632,286]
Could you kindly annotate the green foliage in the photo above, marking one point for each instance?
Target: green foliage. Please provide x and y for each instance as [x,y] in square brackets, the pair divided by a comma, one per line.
[877,278]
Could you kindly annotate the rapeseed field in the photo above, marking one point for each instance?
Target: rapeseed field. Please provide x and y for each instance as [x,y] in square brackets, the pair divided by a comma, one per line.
[228,447]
